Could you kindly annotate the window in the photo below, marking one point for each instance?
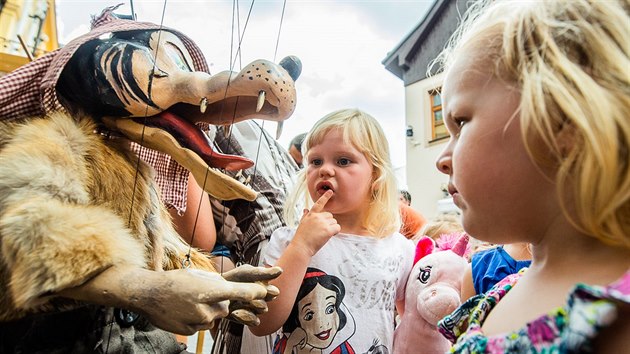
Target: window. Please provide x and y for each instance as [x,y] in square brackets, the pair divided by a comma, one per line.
[438,129]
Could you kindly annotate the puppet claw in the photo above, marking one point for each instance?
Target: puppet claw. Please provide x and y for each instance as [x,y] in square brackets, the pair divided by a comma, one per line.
[272,292]
[248,273]
[254,306]
[244,317]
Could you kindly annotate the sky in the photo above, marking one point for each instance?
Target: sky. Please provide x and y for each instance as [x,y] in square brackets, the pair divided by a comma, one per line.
[341,45]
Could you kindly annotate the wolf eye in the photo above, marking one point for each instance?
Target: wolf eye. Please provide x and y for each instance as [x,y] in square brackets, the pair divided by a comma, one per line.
[159,73]
[425,274]
[175,54]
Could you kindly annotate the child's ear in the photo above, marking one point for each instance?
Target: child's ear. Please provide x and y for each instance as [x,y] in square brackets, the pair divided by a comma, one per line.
[377,183]
[566,139]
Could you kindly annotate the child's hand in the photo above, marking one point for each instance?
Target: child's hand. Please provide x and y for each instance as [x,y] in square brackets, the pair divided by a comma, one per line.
[317,226]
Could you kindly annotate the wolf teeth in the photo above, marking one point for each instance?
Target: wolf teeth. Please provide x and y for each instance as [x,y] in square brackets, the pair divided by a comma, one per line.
[203,105]
[261,100]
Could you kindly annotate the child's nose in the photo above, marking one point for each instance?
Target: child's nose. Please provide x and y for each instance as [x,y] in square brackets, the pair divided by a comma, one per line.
[327,169]
[444,163]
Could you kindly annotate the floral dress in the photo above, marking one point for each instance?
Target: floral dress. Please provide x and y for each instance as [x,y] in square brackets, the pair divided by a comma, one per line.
[569,329]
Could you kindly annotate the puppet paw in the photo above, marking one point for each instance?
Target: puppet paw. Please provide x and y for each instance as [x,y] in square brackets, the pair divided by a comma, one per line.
[245,317]
[248,273]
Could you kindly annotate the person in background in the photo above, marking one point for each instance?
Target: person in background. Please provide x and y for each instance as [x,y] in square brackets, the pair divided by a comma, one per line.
[440,225]
[194,225]
[411,220]
[244,227]
[405,197]
[489,266]
[351,233]
[295,149]
[536,101]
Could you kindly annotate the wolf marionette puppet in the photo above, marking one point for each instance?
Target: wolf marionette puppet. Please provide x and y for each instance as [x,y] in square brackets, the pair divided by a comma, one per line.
[85,243]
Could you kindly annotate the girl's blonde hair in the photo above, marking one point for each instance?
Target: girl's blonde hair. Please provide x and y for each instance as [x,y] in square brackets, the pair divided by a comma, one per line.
[570,61]
[364,133]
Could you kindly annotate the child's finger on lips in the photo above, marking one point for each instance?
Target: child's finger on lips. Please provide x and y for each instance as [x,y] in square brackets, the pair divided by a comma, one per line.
[321,202]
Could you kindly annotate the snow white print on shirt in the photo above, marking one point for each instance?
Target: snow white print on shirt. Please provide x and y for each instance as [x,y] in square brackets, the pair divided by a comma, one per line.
[318,317]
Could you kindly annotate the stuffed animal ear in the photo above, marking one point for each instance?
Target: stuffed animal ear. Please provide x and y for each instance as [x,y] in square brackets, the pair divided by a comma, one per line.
[461,245]
[424,247]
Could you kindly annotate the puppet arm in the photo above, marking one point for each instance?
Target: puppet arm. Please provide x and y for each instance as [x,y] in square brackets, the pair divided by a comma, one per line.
[180,301]
[55,249]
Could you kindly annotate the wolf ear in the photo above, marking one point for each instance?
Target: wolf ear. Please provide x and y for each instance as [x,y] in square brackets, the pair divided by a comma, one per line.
[424,247]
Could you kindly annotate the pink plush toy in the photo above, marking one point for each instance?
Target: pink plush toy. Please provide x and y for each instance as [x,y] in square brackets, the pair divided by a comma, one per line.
[433,291]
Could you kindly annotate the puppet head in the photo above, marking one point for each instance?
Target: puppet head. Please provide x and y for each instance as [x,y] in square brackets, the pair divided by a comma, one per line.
[152,85]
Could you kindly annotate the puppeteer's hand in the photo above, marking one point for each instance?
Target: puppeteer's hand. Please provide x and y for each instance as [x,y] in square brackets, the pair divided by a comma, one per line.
[317,226]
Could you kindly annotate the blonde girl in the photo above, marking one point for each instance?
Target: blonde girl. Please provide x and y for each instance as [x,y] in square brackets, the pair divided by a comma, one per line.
[350,231]
[536,97]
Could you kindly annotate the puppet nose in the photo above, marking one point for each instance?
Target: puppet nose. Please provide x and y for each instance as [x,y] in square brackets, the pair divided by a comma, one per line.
[292,65]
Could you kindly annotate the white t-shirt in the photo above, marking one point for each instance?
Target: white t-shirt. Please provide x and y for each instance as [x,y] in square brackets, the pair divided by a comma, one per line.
[356,277]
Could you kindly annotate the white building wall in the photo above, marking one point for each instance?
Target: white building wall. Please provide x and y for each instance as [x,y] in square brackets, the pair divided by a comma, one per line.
[424,181]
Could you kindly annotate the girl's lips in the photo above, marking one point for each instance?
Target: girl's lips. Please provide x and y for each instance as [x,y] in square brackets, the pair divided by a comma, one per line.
[456,197]
[322,187]
[451,189]
[321,191]
[323,335]
[454,194]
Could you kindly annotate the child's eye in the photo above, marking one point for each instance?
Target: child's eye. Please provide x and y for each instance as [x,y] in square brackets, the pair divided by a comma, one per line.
[316,162]
[343,162]
[459,122]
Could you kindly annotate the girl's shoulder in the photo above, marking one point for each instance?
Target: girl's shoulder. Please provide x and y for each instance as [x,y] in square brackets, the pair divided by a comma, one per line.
[284,233]
[395,245]
[278,242]
[397,242]
[573,327]
[400,239]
